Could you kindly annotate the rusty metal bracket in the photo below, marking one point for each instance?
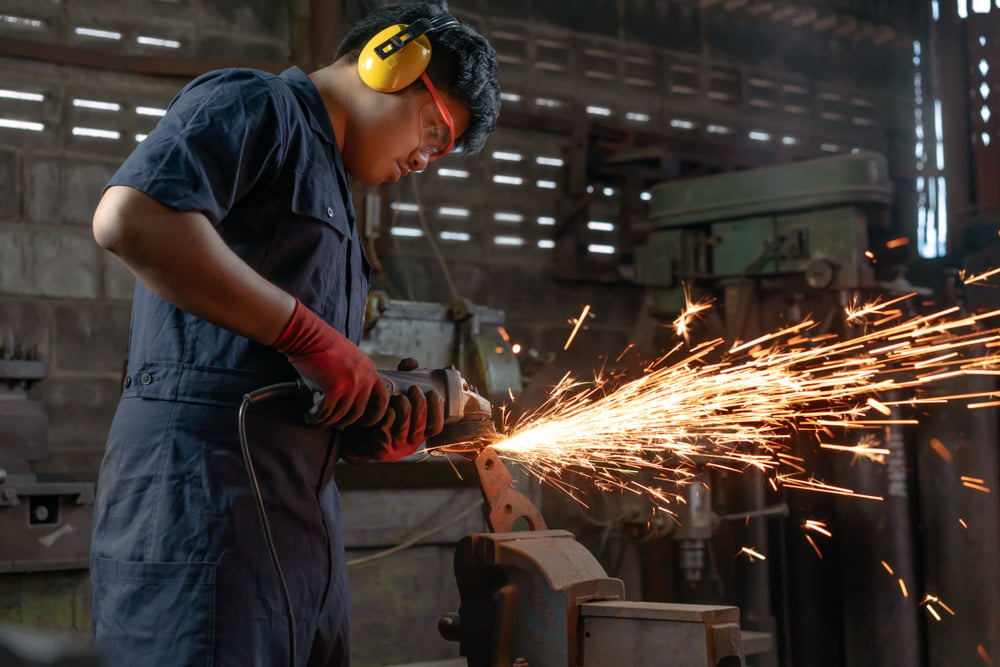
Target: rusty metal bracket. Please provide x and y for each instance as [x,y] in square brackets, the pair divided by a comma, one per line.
[504,505]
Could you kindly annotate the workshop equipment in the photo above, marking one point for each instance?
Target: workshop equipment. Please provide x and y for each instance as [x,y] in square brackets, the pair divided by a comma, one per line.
[810,219]
[459,334]
[538,597]
[468,417]
[385,505]
[45,521]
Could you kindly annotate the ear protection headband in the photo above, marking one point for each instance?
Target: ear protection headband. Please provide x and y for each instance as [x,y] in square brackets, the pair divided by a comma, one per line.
[396,56]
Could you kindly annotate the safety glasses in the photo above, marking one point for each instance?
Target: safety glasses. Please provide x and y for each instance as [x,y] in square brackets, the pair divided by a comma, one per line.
[437,127]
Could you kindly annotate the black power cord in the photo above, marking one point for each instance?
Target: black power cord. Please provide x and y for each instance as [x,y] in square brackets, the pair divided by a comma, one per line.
[257,396]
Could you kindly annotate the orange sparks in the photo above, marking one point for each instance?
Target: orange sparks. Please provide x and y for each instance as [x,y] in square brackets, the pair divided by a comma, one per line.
[979,277]
[928,603]
[988,404]
[941,450]
[858,312]
[976,487]
[887,567]
[750,405]
[964,525]
[881,407]
[817,526]
[690,312]
[577,324]
[984,655]
[751,553]
[815,548]
[624,352]
[897,242]
[902,587]
[873,453]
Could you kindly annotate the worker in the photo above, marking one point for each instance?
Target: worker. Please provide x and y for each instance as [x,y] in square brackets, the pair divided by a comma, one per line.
[235,216]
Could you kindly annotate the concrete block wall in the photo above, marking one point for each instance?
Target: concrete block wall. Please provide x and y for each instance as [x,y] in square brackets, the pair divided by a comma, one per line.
[59,292]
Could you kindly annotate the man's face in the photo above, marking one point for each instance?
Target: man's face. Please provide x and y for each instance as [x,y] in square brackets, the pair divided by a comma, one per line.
[403,135]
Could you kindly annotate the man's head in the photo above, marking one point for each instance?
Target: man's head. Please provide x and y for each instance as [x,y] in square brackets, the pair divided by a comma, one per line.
[461,73]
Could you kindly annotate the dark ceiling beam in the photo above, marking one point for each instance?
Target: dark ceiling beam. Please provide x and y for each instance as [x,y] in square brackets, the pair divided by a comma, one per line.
[169,66]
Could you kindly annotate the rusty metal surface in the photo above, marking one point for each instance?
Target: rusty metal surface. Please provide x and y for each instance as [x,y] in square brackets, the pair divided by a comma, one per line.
[521,594]
[646,634]
[505,507]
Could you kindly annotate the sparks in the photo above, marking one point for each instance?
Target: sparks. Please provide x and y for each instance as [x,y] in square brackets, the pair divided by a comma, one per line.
[976,486]
[576,326]
[737,406]
[978,277]
[817,526]
[861,449]
[751,553]
[813,545]
[928,603]
[858,312]
[941,450]
[688,314]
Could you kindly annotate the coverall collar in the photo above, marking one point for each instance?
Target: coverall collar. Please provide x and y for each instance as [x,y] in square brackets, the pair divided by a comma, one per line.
[307,93]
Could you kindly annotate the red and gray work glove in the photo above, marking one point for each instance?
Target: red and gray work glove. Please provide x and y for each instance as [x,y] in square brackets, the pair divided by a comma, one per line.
[346,376]
[409,420]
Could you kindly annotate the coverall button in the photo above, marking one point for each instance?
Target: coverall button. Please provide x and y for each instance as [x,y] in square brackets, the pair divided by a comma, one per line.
[329,211]
[127,381]
[145,378]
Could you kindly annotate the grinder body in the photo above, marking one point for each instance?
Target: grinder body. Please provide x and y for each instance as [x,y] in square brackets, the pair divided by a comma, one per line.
[468,417]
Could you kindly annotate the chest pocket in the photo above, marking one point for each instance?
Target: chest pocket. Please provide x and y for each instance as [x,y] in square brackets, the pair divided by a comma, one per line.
[332,274]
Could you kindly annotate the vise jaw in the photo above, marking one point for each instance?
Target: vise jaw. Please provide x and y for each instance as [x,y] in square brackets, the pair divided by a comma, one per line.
[540,599]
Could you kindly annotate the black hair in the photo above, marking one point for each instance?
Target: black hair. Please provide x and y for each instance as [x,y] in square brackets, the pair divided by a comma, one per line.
[463,63]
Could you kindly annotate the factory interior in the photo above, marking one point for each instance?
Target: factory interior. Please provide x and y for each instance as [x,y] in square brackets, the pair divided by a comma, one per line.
[721,289]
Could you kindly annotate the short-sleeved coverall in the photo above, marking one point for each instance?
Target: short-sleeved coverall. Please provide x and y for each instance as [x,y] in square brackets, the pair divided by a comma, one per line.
[180,570]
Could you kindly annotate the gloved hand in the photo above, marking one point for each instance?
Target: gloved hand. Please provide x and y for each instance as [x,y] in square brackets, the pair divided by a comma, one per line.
[344,374]
[409,420]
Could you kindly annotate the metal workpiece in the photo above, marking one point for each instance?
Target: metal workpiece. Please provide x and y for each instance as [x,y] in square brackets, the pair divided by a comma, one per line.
[504,507]
[647,634]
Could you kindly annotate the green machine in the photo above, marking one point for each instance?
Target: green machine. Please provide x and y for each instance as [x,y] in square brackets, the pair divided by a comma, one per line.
[808,219]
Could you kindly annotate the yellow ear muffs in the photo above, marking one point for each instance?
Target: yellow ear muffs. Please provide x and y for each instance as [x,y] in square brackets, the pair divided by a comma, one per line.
[402,66]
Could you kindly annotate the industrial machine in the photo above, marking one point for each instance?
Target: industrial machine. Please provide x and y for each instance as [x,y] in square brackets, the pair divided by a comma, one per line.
[808,219]
[771,247]
[45,521]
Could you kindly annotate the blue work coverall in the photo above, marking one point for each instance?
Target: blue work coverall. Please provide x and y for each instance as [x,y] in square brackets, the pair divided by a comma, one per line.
[180,569]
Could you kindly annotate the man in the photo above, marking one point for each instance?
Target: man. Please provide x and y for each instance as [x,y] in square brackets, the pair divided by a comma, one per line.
[236,218]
